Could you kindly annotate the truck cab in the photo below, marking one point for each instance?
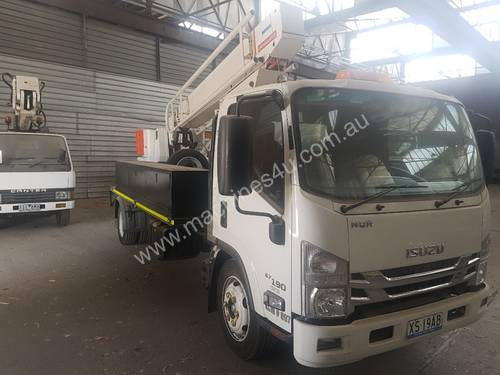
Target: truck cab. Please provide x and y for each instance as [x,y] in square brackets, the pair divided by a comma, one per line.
[356,216]
[36,175]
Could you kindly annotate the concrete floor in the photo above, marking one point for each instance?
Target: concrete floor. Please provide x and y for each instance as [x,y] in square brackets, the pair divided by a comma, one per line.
[74,301]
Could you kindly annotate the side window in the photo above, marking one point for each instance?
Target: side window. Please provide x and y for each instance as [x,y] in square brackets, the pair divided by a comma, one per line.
[268,155]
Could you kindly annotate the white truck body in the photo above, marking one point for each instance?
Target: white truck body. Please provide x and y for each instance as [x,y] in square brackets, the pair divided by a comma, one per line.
[369,240]
[385,233]
[48,186]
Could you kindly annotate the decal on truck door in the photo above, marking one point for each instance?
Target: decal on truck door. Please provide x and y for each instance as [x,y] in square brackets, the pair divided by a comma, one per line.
[276,285]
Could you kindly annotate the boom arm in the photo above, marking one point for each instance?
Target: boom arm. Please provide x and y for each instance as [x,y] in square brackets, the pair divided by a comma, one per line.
[256,60]
[26,102]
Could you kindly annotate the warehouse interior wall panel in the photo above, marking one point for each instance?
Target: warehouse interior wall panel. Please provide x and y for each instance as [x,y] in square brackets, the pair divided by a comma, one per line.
[118,50]
[179,62]
[63,37]
[97,112]
[480,94]
[38,32]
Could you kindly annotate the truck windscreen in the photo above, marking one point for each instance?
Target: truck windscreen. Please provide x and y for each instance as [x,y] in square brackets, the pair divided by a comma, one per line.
[352,143]
[33,153]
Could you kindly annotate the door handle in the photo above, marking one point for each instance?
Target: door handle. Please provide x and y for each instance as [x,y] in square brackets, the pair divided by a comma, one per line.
[223,214]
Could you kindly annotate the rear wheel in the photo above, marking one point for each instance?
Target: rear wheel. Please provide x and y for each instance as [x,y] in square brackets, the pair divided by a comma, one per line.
[63,218]
[125,236]
[237,316]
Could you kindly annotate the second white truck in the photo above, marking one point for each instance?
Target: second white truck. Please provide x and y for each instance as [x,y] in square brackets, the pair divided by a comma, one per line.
[36,170]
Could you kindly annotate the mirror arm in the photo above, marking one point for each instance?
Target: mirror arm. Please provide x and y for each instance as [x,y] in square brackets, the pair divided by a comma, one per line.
[274,218]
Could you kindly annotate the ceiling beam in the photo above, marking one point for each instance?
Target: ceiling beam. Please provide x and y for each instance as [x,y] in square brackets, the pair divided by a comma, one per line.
[407,58]
[361,8]
[444,51]
[446,21]
[104,11]
[478,5]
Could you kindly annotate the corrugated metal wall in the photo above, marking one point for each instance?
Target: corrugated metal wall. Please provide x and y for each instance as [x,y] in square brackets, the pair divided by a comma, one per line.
[178,62]
[27,29]
[101,83]
[118,50]
[61,37]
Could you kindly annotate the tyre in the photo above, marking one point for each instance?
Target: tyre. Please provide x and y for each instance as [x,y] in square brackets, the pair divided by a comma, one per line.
[63,218]
[125,236]
[144,237]
[238,319]
[189,158]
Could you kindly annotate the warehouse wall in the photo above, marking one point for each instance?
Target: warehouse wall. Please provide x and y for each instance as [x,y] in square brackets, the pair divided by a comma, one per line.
[65,38]
[102,82]
[480,94]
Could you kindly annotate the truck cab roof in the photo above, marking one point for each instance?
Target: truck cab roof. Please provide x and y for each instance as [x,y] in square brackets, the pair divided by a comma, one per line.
[290,87]
[365,85]
[32,133]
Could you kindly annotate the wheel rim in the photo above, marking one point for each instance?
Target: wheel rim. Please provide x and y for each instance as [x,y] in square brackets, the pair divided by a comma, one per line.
[189,161]
[121,222]
[235,308]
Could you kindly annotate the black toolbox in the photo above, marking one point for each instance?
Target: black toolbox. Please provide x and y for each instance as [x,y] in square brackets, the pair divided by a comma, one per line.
[176,192]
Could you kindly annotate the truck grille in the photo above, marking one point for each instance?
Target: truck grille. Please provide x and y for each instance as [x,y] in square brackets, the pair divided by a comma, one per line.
[419,268]
[394,283]
[8,197]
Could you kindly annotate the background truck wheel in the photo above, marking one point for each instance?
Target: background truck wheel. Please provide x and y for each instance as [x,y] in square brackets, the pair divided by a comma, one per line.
[63,218]
[125,236]
[237,317]
[189,158]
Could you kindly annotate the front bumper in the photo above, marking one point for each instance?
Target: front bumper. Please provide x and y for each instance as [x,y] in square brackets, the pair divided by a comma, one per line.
[355,337]
[13,209]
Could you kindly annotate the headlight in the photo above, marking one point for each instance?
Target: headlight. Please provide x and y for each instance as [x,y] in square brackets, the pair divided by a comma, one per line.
[483,261]
[325,283]
[62,195]
[481,272]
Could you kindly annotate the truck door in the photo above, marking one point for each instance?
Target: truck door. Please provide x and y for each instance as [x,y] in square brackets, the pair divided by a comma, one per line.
[268,265]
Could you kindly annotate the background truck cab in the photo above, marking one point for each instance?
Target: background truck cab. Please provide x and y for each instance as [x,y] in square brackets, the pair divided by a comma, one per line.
[36,175]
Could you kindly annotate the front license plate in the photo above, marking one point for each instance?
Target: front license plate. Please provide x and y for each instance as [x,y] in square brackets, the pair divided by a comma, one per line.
[422,326]
[29,207]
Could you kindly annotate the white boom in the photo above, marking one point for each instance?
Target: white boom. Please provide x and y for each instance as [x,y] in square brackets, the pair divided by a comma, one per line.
[257,59]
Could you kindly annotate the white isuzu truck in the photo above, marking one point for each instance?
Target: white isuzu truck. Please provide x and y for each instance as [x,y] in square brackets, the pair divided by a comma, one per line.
[36,172]
[347,217]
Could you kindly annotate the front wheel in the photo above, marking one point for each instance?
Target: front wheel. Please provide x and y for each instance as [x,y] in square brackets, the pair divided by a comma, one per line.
[237,316]
[63,218]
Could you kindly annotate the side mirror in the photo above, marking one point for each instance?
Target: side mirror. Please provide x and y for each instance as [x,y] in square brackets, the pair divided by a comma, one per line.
[234,154]
[486,143]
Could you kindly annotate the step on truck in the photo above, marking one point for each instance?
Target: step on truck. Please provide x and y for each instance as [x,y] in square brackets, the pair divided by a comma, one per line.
[346,217]
[36,171]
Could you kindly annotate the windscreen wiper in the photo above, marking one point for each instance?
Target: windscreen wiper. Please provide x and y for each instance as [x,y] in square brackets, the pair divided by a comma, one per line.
[387,190]
[459,190]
